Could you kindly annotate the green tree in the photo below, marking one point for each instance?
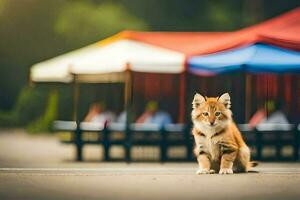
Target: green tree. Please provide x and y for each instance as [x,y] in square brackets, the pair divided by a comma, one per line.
[81,22]
[44,123]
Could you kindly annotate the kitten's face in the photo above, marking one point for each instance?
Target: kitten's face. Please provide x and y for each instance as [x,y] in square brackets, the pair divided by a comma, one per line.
[211,112]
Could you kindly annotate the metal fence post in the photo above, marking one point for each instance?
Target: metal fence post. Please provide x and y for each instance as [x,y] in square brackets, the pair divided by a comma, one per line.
[78,142]
[278,145]
[296,143]
[128,143]
[258,144]
[163,144]
[106,143]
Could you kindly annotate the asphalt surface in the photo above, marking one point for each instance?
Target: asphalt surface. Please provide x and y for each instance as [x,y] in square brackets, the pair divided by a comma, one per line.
[36,168]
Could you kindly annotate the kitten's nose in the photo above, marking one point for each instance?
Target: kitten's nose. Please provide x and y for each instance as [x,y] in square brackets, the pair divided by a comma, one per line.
[212,123]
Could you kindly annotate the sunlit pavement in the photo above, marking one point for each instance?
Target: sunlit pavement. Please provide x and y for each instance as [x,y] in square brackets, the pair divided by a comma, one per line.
[31,168]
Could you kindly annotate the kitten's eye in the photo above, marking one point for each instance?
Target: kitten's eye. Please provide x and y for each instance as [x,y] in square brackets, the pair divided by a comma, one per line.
[205,114]
[217,114]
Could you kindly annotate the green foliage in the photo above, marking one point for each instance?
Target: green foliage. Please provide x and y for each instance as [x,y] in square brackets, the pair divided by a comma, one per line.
[27,37]
[29,106]
[8,119]
[221,17]
[83,21]
[43,123]
[2,6]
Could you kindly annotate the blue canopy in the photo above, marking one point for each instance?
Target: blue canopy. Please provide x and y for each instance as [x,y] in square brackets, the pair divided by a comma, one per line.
[254,58]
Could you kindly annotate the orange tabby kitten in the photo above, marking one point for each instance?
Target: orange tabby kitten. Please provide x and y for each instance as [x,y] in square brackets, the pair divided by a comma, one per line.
[219,144]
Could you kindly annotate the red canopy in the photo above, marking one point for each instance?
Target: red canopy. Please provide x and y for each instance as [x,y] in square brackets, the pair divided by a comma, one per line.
[184,42]
[282,31]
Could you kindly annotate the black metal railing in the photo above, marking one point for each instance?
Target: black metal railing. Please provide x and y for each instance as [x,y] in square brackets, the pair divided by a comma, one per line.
[164,137]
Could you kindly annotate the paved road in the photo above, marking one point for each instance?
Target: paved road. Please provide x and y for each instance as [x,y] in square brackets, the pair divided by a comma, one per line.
[35,168]
[148,181]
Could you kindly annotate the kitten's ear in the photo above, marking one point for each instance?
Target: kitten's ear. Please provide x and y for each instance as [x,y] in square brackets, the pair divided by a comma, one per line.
[225,99]
[198,99]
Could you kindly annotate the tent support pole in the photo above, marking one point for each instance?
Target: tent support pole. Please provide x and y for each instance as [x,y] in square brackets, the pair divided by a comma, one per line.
[182,97]
[248,97]
[76,92]
[128,107]
[294,98]
[77,132]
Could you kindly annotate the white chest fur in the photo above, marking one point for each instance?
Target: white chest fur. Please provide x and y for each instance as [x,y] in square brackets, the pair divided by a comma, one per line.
[213,149]
[210,142]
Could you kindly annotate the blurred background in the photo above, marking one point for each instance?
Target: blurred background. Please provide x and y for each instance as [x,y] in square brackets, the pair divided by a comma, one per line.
[33,31]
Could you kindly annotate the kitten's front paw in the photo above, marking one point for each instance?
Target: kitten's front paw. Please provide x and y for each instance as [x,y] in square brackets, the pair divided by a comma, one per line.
[205,171]
[225,171]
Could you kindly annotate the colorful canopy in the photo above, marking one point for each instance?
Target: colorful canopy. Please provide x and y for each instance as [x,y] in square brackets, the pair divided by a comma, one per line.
[281,31]
[110,59]
[161,52]
[107,59]
[254,58]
